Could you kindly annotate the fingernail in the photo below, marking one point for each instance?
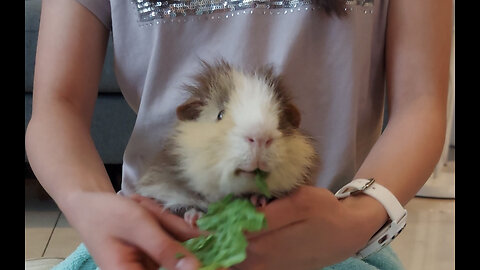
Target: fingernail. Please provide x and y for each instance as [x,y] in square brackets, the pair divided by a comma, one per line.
[186,263]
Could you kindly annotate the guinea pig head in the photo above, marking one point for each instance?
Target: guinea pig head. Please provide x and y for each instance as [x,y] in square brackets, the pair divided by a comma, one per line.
[236,123]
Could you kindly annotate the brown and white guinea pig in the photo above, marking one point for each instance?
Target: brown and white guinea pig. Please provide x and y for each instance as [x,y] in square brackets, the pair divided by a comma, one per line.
[233,124]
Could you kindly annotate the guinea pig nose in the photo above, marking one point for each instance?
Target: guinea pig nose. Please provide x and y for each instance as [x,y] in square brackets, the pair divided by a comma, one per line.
[260,141]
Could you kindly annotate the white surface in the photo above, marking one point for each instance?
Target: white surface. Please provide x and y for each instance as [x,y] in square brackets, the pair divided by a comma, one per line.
[441,185]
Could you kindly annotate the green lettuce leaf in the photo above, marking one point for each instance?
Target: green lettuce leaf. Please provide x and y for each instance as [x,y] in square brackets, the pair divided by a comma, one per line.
[261,183]
[226,221]
[226,245]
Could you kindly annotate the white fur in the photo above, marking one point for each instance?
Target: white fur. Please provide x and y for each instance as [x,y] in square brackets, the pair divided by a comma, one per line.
[253,106]
[155,184]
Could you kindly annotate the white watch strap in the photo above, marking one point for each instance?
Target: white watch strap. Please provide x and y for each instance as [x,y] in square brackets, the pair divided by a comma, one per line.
[396,213]
[368,186]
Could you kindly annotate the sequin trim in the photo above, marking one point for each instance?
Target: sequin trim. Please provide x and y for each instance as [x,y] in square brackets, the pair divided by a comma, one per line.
[366,6]
[178,10]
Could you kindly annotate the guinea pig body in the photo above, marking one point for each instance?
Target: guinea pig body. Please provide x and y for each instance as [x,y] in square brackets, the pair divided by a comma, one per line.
[234,124]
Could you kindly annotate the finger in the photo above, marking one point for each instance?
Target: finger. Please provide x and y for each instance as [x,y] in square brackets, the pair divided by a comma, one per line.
[149,263]
[115,255]
[282,213]
[286,242]
[175,225]
[169,253]
[138,198]
[149,237]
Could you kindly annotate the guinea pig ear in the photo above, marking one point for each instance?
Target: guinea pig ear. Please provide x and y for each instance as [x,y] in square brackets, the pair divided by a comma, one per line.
[190,109]
[292,115]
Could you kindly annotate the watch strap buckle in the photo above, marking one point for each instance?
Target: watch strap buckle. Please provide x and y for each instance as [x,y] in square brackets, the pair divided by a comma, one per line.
[367,185]
[348,190]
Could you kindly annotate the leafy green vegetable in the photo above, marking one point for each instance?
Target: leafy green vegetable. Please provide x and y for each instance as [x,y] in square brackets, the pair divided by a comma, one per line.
[260,177]
[226,220]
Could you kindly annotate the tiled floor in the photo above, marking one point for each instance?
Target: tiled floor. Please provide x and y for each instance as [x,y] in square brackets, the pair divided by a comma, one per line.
[427,243]
[47,232]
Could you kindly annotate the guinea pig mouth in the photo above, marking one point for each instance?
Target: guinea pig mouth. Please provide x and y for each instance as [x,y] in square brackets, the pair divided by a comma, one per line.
[249,174]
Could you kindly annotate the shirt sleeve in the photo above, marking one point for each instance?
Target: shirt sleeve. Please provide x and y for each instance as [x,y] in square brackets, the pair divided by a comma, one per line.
[101,9]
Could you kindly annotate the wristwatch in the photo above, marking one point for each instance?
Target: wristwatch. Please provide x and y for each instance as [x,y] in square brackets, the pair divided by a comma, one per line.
[396,213]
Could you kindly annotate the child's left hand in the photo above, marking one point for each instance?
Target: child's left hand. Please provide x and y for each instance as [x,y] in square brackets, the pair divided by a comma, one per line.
[311,229]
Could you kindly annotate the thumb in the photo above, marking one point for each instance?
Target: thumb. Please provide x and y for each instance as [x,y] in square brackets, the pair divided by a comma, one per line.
[161,247]
[169,253]
[173,224]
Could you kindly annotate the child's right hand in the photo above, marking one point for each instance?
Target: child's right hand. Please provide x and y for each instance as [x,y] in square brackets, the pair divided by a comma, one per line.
[120,233]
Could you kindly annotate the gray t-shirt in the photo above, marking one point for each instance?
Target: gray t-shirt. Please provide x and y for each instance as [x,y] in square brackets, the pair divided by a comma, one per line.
[333,66]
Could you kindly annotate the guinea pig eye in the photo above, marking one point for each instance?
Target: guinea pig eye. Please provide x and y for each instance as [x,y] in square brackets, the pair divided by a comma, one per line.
[220,115]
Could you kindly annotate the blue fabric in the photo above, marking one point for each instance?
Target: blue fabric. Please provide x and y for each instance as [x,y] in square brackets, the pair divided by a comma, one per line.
[385,259]
[80,259]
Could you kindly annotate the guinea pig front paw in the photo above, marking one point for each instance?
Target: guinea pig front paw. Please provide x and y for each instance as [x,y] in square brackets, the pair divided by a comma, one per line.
[258,200]
[191,216]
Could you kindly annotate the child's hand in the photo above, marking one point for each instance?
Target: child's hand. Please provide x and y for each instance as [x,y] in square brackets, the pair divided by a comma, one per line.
[122,234]
[173,224]
[311,229]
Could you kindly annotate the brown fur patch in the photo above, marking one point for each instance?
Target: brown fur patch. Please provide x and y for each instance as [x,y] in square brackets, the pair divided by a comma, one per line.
[213,84]
[290,116]
[190,109]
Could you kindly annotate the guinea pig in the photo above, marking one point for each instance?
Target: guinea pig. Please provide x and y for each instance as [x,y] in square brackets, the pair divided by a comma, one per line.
[234,124]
